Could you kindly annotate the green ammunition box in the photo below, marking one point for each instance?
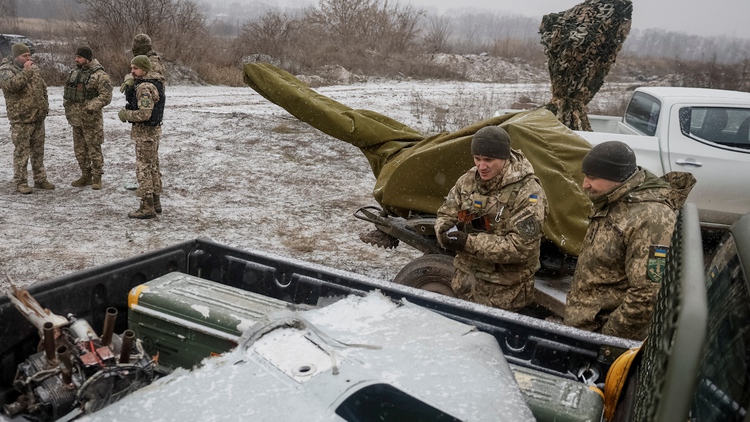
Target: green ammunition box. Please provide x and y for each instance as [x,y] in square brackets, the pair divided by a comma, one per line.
[552,398]
[185,319]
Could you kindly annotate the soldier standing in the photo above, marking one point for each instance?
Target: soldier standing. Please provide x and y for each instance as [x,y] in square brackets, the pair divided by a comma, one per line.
[142,46]
[144,109]
[27,105]
[622,259]
[492,218]
[87,91]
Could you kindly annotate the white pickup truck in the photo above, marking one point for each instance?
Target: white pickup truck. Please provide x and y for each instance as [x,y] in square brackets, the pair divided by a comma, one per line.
[701,131]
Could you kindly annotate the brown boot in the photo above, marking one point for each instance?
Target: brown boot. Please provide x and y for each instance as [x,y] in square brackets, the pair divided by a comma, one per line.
[146,209]
[44,184]
[82,181]
[96,182]
[23,188]
[157,204]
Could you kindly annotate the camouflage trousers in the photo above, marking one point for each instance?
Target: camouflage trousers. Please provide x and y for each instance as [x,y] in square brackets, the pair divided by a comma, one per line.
[28,139]
[87,145]
[509,297]
[147,172]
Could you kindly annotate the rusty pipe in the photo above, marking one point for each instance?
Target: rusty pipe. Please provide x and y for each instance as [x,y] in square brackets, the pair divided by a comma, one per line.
[109,325]
[127,344]
[63,355]
[49,341]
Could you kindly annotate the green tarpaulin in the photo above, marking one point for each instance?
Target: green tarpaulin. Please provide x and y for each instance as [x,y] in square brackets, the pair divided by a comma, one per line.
[414,173]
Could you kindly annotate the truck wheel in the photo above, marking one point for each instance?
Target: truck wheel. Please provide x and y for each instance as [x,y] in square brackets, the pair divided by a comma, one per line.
[432,272]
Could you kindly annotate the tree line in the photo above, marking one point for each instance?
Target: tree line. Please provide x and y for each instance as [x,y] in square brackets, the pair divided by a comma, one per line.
[373,37]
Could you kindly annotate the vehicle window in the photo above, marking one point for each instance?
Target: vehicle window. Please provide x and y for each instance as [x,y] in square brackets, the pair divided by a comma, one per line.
[380,402]
[643,113]
[723,390]
[720,125]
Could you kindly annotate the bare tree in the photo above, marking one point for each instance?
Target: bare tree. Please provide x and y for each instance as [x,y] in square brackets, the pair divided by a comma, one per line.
[437,34]
[176,26]
[8,14]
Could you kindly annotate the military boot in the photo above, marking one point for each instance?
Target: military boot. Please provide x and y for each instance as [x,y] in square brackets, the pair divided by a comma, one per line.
[146,209]
[82,181]
[23,188]
[44,184]
[157,204]
[96,182]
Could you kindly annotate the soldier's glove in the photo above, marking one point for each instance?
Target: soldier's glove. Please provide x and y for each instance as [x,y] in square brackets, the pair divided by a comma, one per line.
[455,240]
[129,81]
[444,227]
[121,115]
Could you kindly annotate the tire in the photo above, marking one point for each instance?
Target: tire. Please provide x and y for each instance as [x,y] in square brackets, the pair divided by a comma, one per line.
[432,272]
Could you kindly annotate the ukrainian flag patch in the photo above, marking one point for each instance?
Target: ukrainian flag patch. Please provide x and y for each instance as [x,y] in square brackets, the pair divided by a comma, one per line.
[478,203]
[657,261]
[533,199]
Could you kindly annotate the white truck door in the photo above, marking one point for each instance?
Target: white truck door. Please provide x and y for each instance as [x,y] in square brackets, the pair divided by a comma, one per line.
[713,144]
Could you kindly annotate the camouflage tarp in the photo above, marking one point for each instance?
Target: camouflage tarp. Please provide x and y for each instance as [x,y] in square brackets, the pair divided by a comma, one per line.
[414,173]
[581,45]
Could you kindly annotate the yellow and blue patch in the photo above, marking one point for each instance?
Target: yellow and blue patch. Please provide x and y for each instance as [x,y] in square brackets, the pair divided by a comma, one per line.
[533,199]
[657,261]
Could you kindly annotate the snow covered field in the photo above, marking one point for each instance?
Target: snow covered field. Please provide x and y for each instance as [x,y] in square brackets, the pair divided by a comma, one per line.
[236,169]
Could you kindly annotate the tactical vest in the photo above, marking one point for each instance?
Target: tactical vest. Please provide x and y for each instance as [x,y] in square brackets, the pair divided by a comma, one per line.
[157,113]
[76,90]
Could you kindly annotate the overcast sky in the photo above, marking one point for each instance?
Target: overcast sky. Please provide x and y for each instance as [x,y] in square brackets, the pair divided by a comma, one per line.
[713,17]
[707,17]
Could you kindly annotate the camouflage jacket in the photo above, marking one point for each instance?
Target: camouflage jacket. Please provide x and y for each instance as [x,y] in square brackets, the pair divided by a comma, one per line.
[622,259]
[146,96]
[25,92]
[157,68]
[509,210]
[86,92]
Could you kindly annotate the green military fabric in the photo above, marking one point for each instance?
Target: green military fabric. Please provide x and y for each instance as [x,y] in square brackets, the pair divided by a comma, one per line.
[378,136]
[497,264]
[620,265]
[414,173]
[581,45]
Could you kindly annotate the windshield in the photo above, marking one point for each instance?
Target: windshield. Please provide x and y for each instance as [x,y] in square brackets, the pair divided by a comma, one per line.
[724,383]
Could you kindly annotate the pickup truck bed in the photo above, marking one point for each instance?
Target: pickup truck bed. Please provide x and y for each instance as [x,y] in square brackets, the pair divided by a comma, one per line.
[694,365]
[525,341]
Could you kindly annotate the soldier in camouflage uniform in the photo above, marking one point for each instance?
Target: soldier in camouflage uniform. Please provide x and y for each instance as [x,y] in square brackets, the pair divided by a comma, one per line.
[142,46]
[622,259]
[492,218]
[27,105]
[86,92]
[145,109]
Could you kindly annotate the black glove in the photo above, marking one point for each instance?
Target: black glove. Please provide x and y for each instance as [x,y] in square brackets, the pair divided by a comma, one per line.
[455,241]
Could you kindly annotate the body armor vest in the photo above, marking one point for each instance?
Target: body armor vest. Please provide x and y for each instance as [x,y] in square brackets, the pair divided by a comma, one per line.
[157,113]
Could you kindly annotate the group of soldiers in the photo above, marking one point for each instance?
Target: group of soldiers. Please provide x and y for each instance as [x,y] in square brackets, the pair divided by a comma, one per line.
[503,205]
[87,91]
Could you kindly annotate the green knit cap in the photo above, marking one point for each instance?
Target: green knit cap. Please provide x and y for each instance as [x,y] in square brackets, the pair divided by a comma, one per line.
[141,62]
[18,49]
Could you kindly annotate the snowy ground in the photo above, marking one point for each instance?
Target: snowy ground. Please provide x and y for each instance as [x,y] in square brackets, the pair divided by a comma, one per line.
[236,169]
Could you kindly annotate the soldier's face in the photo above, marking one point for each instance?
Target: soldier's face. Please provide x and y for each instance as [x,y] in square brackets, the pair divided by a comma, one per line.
[23,58]
[488,167]
[136,71]
[594,186]
[80,61]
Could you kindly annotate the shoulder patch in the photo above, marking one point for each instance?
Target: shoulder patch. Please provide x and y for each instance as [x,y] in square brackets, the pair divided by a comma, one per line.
[533,199]
[528,227]
[657,260]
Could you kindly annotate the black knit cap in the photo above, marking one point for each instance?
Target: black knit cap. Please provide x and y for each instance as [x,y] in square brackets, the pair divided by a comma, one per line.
[491,141]
[611,160]
[85,52]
